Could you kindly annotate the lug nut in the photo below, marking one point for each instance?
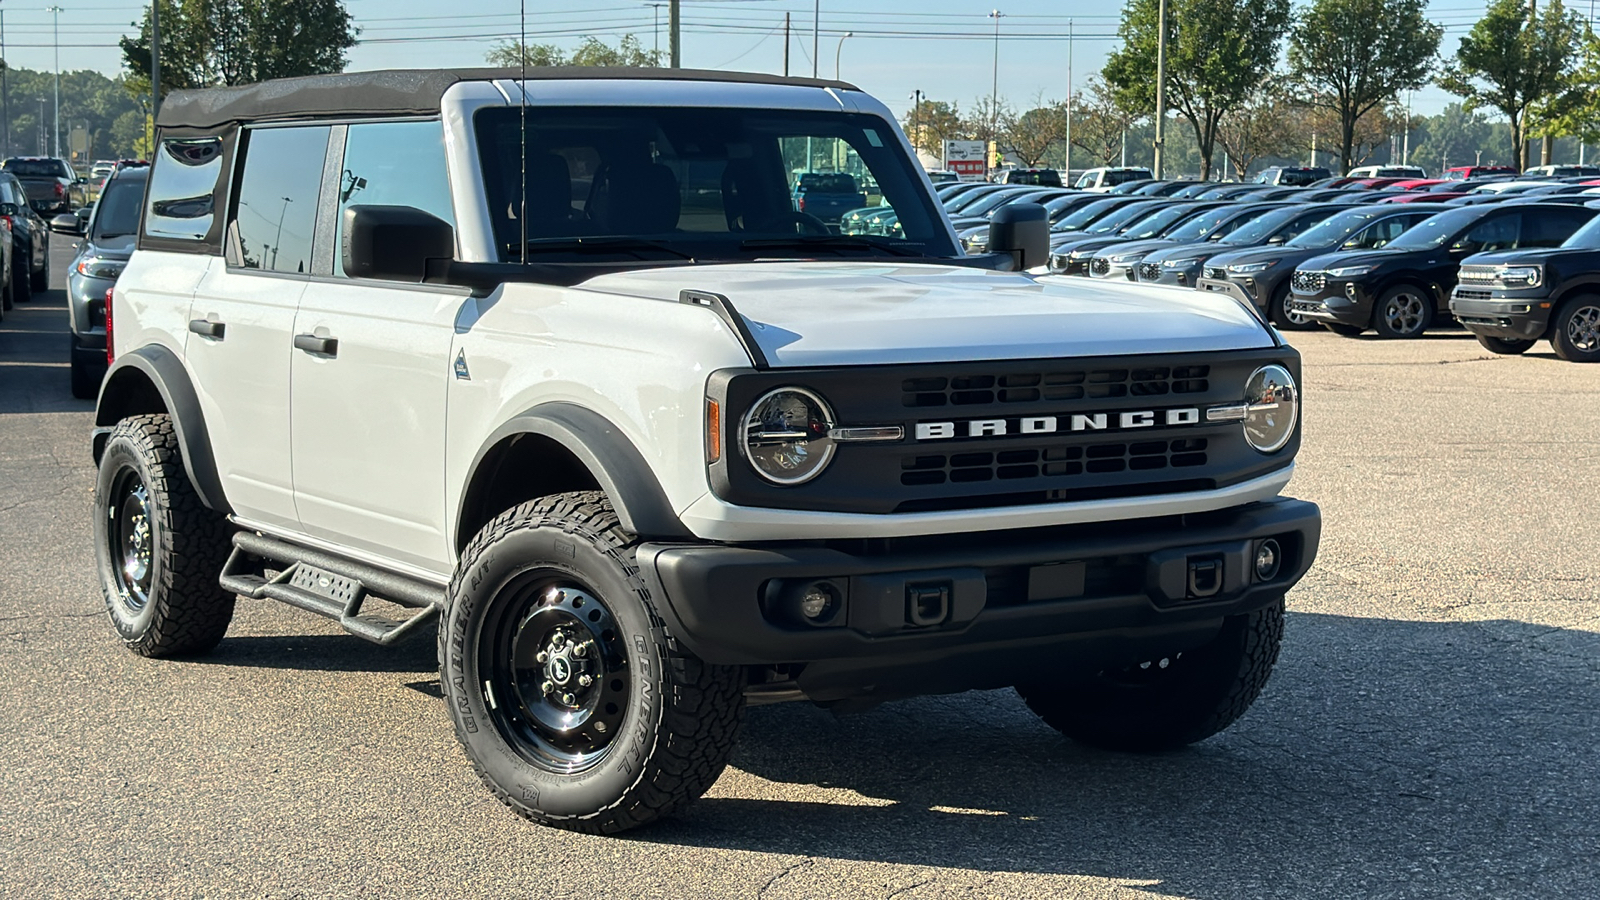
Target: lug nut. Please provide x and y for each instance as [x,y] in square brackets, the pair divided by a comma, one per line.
[585,681]
[568,699]
[542,657]
[558,639]
[546,687]
[580,650]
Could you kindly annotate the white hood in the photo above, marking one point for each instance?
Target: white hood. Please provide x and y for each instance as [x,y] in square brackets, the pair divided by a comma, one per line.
[843,313]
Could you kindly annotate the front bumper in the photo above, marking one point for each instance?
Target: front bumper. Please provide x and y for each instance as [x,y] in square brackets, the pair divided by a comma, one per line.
[86,302]
[1181,276]
[986,609]
[1513,315]
[1343,303]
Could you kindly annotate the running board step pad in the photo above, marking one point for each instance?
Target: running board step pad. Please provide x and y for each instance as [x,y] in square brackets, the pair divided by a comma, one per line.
[322,583]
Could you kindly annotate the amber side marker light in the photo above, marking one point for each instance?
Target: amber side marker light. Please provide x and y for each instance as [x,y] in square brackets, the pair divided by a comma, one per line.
[713,431]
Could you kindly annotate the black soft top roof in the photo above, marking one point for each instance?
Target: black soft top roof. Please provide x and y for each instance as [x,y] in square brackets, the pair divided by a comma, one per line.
[400,92]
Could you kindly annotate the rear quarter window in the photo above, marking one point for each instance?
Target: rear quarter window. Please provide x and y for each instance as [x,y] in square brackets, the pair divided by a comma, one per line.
[181,202]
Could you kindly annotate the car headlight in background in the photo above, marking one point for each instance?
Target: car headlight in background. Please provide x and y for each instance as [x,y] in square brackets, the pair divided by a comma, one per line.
[1350,271]
[1271,408]
[93,267]
[1510,277]
[785,436]
[1125,258]
[1180,263]
[1082,254]
[1251,268]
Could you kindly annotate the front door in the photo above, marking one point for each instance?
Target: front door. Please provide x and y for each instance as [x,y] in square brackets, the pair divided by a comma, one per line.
[372,368]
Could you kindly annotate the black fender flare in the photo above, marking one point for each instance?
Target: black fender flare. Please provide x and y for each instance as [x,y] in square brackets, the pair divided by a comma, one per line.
[640,503]
[1588,283]
[166,373]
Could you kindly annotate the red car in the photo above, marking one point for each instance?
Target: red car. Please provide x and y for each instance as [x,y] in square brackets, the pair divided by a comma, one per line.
[1462,173]
[1411,184]
[1424,196]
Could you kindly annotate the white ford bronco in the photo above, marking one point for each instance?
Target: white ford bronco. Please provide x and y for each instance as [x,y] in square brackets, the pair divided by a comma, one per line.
[552,360]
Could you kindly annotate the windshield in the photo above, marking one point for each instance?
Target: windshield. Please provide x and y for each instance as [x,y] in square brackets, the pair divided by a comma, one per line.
[994,201]
[1203,226]
[1114,220]
[970,198]
[1333,232]
[1434,232]
[1076,220]
[117,213]
[1266,225]
[1153,224]
[36,168]
[1585,238]
[707,183]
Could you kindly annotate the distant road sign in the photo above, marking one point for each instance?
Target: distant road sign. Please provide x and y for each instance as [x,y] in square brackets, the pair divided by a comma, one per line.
[967,159]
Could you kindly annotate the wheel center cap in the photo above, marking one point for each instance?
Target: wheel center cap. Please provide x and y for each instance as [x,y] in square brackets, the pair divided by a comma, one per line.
[560,670]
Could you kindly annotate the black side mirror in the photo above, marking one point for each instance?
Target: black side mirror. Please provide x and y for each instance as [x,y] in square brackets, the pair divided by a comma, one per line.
[394,243]
[1022,230]
[10,209]
[1276,239]
[67,223]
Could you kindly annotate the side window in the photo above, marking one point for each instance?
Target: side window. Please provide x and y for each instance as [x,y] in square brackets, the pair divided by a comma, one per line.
[183,187]
[277,207]
[1378,234]
[1550,229]
[1498,233]
[393,164]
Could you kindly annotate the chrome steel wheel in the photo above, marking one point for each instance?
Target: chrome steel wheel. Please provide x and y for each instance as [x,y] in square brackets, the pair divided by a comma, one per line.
[1583,329]
[555,672]
[130,532]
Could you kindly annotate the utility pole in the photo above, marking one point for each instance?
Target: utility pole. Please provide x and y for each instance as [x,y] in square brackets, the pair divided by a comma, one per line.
[155,70]
[5,87]
[816,31]
[994,89]
[55,18]
[1405,147]
[1161,87]
[674,43]
[786,45]
[1067,169]
[916,118]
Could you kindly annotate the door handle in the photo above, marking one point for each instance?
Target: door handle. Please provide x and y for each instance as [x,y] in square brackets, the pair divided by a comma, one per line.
[310,343]
[207,328]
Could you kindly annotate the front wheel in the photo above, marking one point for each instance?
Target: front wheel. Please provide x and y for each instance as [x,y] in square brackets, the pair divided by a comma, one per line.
[1402,312]
[1505,346]
[1575,333]
[1285,318]
[158,548]
[1165,703]
[576,706]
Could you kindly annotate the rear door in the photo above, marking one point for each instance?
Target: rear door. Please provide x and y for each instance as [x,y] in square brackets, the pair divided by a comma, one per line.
[369,408]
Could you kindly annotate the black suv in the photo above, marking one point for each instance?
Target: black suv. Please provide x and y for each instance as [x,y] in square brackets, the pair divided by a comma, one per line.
[1397,291]
[1260,275]
[30,240]
[1511,300]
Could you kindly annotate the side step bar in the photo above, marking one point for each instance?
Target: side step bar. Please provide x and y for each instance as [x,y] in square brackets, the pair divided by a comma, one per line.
[330,586]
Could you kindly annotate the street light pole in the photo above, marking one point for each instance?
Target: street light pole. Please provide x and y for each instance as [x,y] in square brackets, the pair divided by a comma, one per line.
[1161,87]
[839,51]
[674,41]
[994,88]
[916,117]
[816,31]
[5,87]
[1067,169]
[55,16]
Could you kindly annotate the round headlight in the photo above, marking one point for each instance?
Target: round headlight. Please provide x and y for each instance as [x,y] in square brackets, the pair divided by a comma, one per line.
[785,436]
[1272,408]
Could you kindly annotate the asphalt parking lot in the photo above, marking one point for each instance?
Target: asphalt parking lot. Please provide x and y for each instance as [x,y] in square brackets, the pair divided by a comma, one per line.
[1431,729]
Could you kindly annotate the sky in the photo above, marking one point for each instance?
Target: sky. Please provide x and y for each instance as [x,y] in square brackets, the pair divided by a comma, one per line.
[890,48]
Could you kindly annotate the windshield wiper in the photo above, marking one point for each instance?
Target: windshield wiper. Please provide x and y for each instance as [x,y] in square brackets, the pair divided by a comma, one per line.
[601,245]
[839,241]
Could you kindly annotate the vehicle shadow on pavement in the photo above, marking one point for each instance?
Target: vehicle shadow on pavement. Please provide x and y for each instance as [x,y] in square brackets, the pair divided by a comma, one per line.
[35,357]
[1386,758]
[325,653]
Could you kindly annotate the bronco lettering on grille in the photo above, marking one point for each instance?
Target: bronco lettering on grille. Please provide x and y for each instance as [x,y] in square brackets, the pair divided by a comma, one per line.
[1047,425]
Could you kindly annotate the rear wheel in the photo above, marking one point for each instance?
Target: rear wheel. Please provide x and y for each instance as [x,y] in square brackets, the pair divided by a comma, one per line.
[1164,703]
[576,706]
[1285,318]
[158,549]
[1575,333]
[39,280]
[21,283]
[1404,311]
[1505,346]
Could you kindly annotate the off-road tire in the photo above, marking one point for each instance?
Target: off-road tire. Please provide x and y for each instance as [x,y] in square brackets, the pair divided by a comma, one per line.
[680,718]
[1163,704]
[1575,329]
[1505,346]
[1278,312]
[185,612]
[1403,311]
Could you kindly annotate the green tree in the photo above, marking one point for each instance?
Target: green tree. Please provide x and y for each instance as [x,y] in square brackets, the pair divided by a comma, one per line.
[1574,111]
[89,101]
[1218,53]
[1036,133]
[1265,125]
[932,122]
[224,42]
[592,52]
[1512,61]
[1454,137]
[1098,122]
[1351,56]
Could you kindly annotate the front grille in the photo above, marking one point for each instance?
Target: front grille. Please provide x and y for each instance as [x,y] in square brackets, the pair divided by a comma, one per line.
[1465,294]
[1309,282]
[1149,271]
[1051,387]
[1099,266]
[1054,460]
[1216,273]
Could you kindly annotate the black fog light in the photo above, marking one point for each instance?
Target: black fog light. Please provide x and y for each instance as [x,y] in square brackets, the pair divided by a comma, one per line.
[1269,559]
[815,604]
